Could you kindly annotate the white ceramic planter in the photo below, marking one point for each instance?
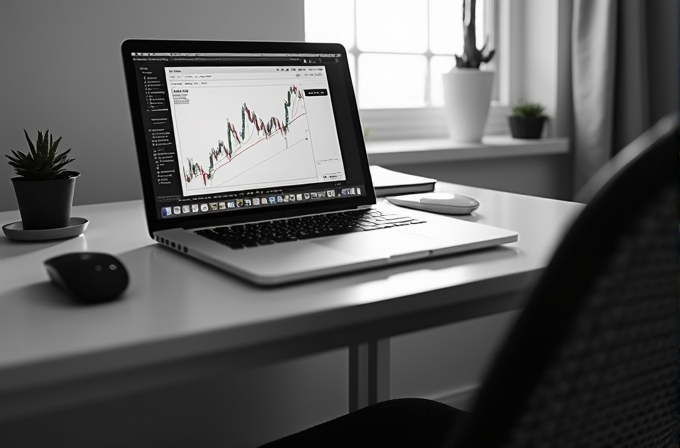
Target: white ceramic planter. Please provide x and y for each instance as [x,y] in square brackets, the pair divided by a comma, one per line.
[467,97]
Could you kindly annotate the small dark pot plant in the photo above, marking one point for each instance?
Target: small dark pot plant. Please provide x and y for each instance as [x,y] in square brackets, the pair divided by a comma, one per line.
[526,120]
[44,189]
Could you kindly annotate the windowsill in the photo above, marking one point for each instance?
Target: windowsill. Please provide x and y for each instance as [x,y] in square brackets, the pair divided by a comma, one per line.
[418,151]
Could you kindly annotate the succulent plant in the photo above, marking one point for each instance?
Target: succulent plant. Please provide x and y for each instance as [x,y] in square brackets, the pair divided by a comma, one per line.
[472,57]
[528,110]
[42,162]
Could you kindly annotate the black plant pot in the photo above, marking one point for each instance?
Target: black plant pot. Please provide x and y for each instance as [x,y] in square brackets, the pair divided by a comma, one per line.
[530,128]
[45,204]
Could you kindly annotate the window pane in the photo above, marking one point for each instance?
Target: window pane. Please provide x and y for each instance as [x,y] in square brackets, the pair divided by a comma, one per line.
[438,66]
[330,21]
[392,25]
[391,81]
[446,26]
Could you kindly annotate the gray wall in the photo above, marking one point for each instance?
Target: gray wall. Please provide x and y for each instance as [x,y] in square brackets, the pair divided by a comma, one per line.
[62,70]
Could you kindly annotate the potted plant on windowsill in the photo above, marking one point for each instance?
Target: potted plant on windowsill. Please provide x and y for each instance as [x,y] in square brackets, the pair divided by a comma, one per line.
[467,89]
[44,189]
[526,120]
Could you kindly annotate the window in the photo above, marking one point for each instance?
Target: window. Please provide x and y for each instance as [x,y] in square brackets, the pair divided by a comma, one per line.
[414,41]
[404,46]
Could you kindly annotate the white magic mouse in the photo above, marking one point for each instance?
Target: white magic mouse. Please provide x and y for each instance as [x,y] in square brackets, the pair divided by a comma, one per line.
[444,202]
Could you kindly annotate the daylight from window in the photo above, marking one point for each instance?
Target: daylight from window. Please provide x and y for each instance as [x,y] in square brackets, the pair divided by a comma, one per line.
[397,49]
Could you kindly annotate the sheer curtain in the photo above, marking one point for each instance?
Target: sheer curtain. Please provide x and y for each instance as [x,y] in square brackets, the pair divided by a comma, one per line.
[611,77]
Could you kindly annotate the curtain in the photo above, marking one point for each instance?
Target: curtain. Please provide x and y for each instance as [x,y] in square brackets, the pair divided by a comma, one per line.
[593,38]
[610,80]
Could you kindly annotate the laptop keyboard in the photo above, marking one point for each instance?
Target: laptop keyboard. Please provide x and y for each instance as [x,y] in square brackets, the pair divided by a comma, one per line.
[306,227]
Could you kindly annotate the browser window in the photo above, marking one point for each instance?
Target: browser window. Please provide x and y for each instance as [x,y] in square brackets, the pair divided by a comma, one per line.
[240,132]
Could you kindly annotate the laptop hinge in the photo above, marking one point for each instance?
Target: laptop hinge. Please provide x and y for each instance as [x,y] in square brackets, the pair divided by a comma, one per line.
[364,207]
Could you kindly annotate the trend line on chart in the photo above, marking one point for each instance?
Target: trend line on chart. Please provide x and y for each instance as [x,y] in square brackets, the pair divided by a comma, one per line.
[238,141]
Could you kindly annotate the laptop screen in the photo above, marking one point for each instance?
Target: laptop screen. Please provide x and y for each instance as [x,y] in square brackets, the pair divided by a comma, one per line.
[235,133]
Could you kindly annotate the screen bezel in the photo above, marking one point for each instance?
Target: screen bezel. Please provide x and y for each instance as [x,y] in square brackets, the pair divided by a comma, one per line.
[246,215]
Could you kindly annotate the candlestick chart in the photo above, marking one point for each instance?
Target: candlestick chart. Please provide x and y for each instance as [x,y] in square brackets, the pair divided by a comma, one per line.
[263,139]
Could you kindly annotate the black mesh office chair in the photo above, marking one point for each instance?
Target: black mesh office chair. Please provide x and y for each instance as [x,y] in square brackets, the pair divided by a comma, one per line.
[593,359]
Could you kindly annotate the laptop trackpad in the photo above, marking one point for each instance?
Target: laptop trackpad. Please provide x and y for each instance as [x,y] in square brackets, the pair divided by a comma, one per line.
[378,244]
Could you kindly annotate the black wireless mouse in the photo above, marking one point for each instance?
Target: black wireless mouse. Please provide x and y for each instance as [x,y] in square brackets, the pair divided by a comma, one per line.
[89,277]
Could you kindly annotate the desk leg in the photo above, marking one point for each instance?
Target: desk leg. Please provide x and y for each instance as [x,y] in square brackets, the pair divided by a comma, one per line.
[369,373]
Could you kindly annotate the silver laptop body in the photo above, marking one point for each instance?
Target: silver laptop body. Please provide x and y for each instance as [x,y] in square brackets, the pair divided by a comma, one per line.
[236,133]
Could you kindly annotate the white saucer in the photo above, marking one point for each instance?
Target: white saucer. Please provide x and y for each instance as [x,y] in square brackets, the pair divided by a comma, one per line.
[15,231]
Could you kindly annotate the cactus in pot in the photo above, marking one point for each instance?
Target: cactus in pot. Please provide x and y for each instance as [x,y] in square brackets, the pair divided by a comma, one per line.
[466,88]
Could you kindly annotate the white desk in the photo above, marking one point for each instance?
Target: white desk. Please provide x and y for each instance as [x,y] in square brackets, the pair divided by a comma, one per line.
[188,320]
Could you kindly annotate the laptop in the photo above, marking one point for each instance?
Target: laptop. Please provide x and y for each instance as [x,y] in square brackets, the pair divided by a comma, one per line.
[252,160]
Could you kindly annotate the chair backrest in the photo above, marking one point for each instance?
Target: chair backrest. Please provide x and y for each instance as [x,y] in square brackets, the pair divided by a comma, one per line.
[593,359]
